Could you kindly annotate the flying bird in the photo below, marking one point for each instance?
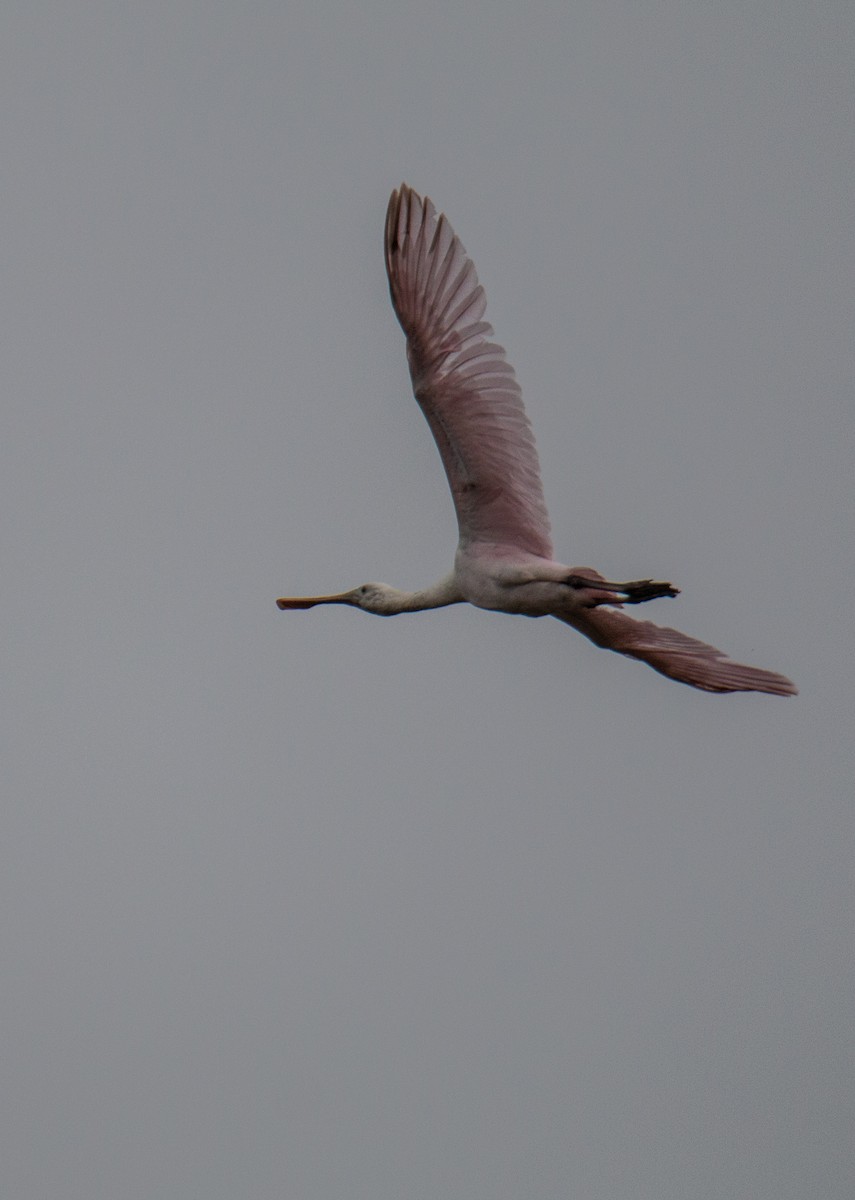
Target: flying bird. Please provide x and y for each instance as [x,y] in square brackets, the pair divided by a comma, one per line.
[472,402]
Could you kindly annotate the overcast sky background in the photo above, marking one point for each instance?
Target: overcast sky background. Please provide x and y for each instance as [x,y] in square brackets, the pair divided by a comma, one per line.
[320,906]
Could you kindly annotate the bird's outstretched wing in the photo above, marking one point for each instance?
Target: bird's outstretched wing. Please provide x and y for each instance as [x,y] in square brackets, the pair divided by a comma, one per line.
[674,654]
[464,384]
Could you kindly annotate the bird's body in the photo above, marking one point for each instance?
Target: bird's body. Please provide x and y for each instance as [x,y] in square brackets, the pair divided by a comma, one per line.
[472,402]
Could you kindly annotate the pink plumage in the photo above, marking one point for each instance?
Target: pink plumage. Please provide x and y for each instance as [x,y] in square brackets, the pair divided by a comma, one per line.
[463,382]
[468,393]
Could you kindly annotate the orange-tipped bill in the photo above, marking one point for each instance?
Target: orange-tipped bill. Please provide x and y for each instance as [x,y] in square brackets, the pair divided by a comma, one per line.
[287,602]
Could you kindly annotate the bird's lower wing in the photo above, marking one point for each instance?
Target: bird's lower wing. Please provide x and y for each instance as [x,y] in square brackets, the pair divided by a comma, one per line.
[674,654]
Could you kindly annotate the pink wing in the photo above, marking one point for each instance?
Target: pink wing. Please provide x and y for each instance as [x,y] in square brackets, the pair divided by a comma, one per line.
[674,654]
[462,381]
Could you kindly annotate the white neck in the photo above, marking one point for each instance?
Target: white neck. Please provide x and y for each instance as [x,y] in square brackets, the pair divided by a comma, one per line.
[439,595]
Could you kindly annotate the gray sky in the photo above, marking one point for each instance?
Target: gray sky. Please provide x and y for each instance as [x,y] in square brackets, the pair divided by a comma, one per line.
[319,906]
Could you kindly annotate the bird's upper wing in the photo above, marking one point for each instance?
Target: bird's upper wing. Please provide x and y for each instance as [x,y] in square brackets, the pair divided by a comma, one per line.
[674,654]
[462,381]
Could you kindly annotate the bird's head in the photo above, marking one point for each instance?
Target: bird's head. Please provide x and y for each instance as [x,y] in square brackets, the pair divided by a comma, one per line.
[378,598]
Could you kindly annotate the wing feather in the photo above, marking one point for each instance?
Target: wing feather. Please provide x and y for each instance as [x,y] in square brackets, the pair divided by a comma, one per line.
[675,654]
[463,382]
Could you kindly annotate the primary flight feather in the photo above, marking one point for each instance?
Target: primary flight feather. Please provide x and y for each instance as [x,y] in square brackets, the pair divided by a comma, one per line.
[468,393]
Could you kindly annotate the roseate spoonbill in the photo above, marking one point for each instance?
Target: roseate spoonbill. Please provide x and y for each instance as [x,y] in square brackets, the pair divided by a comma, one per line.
[468,393]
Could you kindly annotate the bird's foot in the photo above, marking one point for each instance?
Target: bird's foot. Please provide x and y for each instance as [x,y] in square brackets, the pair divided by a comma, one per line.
[645,589]
[594,590]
